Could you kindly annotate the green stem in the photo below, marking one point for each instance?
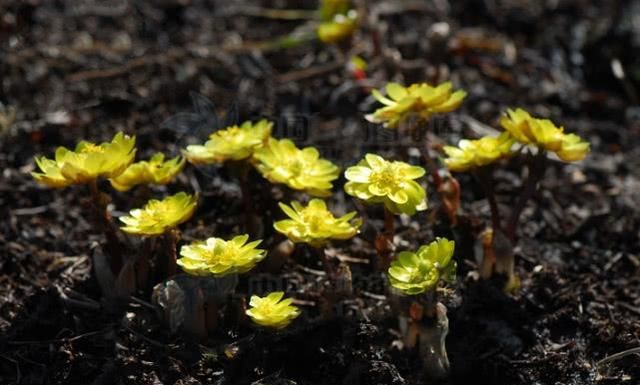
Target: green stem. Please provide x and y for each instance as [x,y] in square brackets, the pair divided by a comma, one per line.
[277,43]
[279,14]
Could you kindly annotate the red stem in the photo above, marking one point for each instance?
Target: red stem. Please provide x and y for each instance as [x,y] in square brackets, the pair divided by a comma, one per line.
[389,224]
[537,165]
[431,164]
[328,267]
[113,246]
[243,176]
[172,241]
[485,178]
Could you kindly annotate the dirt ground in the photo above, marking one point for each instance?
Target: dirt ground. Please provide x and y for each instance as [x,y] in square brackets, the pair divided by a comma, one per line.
[171,71]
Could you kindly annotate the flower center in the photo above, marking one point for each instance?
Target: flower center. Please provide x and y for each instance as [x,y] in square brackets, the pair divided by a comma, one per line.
[384,178]
[266,308]
[222,253]
[226,256]
[314,220]
[295,167]
[157,213]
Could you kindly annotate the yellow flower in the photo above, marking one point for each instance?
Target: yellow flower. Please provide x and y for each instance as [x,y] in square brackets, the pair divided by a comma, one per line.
[415,273]
[339,28]
[477,153]
[282,162]
[232,143]
[376,180]
[219,257]
[154,171]
[529,130]
[158,216]
[272,311]
[418,100]
[315,224]
[573,148]
[87,163]
[544,134]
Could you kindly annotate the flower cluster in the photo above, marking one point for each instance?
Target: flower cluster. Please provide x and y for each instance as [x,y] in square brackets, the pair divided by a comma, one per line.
[477,153]
[418,100]
[154,171]
[88,162]
[340,27]
[272,311]
[375,180]
[158,216]
[280,161]
[232,143]
[544,134]
[414,273]
[520,127]
[315,224]
[218,257]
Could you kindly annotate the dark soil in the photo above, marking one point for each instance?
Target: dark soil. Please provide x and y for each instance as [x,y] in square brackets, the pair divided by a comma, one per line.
[84,69]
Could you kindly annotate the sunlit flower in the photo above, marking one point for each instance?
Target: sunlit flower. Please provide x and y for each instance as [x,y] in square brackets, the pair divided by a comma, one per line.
[573,148]
[375,180]
[419,100]
[153,171]
[282,162]
[339,28]
[415,273]
[232,143]
[477,153]
[529,130]
[315,224]
[87,163]
[544,134]
[218,257]
[272,311]
[158,216]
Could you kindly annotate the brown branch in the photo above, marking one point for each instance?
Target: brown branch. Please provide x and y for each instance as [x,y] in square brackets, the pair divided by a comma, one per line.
[277,14]
[106,73]
[294,76]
